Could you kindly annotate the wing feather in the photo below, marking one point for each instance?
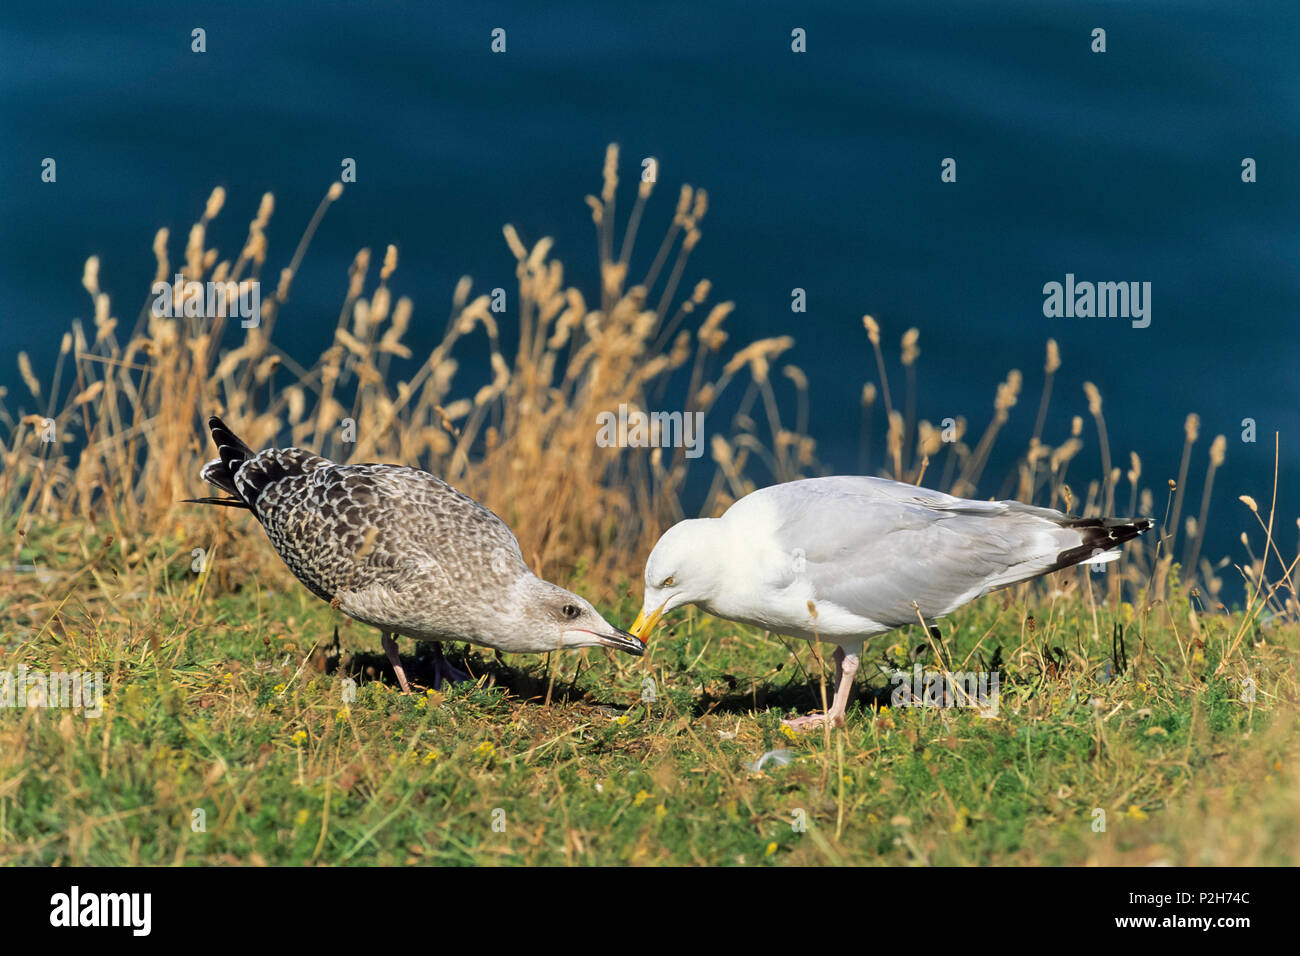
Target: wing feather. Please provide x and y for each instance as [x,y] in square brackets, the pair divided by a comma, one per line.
[874,546]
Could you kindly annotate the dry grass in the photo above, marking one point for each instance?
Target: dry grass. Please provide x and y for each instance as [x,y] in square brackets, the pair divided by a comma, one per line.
[128,425]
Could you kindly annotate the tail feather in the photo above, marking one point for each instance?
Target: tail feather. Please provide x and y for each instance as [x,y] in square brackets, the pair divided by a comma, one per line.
[232,450]
[215,473]
[221,471]
[246,474]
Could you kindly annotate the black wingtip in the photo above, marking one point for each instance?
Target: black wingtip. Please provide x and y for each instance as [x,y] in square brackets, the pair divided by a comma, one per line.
[1100,535]
[226,502]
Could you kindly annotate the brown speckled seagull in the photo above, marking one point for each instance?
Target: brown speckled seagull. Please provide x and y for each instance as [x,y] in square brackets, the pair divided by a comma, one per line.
[402,550]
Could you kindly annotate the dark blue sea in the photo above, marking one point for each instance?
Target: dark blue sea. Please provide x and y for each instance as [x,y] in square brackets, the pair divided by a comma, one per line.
[823,171]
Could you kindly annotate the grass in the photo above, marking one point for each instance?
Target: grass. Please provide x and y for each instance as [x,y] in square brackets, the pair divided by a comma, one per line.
[235,707]
[236,731]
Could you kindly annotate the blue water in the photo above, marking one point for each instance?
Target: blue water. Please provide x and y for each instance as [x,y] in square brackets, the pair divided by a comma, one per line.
[822,169]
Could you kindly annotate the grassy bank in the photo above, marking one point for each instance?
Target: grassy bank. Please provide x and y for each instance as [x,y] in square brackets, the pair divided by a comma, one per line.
[234,712]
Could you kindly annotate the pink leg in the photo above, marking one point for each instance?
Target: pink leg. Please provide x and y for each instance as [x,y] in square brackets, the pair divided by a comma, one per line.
[847,672]
[390,648]
[846,668]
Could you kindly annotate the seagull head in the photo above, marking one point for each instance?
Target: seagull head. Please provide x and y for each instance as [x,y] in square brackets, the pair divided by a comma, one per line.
[559,618]
[683,568]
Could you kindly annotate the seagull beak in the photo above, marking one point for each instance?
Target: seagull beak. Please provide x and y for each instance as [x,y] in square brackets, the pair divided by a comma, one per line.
[622,641]
[645,623]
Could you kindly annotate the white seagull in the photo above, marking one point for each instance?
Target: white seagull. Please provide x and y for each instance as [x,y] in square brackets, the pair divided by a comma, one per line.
[841,559]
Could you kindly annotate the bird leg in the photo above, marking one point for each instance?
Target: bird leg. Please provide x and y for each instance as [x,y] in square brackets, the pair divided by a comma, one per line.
[846,668]
[444,671]
[390,648]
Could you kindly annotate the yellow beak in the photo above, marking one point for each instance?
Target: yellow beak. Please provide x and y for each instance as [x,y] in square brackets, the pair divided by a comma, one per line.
[645,623]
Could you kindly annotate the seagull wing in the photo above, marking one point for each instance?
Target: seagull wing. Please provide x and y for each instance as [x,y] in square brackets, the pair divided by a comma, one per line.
[874,546]
[352,527]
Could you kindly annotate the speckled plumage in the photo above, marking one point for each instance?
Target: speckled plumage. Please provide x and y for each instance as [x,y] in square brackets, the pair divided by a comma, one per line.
[400,549]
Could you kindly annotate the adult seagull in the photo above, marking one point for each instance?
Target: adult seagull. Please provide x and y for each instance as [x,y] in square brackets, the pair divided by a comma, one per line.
[841,559]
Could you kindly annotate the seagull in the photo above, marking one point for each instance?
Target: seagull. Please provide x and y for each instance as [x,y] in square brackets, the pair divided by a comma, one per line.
[403,551]
[843,558]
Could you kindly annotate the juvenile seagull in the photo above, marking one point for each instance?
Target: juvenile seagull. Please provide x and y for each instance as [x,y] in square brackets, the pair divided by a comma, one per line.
[842,559]
[404,551]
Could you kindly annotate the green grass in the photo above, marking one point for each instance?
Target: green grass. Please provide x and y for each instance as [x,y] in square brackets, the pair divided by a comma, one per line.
[216,703]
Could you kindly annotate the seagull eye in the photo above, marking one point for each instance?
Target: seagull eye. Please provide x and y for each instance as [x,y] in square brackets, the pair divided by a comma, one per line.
[569,611]
[668,582]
